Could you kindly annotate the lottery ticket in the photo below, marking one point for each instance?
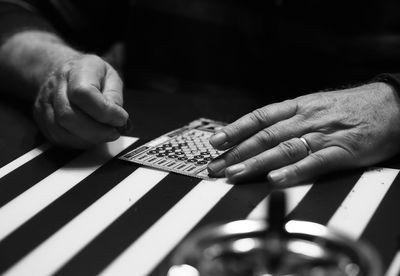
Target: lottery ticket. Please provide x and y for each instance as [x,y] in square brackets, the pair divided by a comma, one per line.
[185,150]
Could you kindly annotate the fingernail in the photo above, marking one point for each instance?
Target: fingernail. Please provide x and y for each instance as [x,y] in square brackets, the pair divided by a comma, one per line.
[235,169]
[122,119]
[114,136]
[218,139]
[125,128]
[277,177]
[216,166]
[220,173]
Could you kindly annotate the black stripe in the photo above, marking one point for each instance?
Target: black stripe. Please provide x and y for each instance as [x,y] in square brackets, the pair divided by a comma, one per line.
[393,163]
[30,173]
[325,197]
[235,205]
[129,226]
[62,210]
[383,230]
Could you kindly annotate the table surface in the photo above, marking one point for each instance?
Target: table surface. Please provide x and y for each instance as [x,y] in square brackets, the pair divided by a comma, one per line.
[81,213]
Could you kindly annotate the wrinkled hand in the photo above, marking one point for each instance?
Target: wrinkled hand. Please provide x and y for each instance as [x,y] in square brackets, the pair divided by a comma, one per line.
[80,103]
[344,129]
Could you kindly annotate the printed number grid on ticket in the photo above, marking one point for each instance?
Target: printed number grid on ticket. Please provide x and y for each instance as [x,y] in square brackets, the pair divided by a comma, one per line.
[185,150]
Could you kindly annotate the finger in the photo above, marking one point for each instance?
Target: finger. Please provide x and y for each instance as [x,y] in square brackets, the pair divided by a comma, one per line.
[85,87]
[285,153]
[78,123]
[316,164]
[317,140]
[44,116]
[113,86]
[113,91]
[261,141]
[252,123]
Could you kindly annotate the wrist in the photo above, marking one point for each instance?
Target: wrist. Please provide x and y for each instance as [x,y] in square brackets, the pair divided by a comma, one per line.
[29,57]
[382,89]
[44,55]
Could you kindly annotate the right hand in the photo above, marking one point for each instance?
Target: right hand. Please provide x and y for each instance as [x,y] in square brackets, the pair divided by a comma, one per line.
[80,103]
[341,129]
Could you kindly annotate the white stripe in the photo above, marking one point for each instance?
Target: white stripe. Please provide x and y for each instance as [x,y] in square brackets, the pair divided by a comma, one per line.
[141,257]
[358,207]
[394,269]
[32,201]
[293,196]
[64,244]
[260,211]
[23,159]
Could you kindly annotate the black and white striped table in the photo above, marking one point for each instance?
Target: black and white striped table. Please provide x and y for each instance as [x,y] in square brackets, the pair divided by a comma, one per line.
[74,213]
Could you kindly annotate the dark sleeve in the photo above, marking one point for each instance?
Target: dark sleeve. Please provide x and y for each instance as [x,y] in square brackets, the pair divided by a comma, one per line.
[81,24]
[16,16]
[390,78]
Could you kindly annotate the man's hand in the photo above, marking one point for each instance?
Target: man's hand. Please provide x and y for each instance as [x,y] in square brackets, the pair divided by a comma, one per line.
[344,129]
[80,103]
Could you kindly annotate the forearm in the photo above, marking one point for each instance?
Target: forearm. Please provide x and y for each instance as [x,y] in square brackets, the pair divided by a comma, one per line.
[27,58]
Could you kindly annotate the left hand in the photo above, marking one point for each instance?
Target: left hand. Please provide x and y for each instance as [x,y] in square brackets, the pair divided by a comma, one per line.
[344,129]
[79,104]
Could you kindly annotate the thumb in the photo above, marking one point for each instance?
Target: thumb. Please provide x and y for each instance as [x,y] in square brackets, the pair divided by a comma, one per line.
[97,90]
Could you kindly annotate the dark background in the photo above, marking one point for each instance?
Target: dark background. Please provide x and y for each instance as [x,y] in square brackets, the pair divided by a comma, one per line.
[271,49]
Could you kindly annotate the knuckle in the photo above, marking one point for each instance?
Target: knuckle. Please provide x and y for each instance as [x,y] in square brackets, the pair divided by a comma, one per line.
[107,106]
[259,116]
[266,137]
[93,57]
[49,85]
[63,117]
[234,155]
[354,141]
[79,93]
[296,171]
[94,60]
[37,107]
[42,98]
[257,164]
[65,68]
[319,159]
[289,149]
[37,110]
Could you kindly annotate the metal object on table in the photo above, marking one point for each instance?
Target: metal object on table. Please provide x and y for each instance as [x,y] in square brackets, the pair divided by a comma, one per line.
[249,247]
[245,248]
